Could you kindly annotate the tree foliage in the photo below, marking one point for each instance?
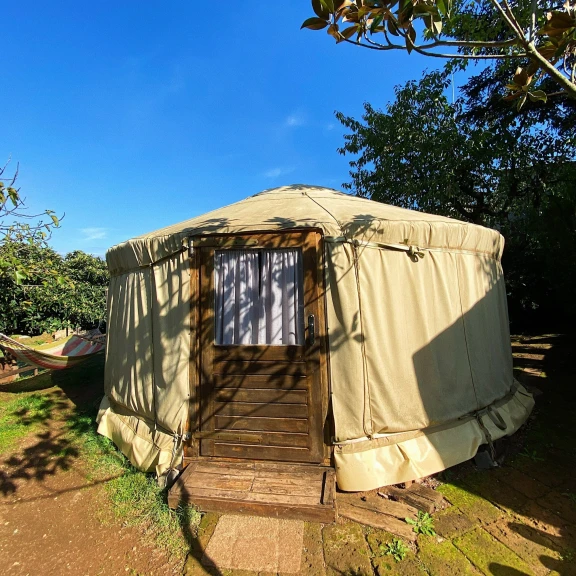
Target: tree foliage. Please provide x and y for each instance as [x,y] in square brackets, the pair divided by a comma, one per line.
[58,292]
[538,35]
[18,226]
[475,160]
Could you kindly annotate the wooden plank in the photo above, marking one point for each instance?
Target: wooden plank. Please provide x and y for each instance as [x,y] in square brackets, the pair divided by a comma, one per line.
[277,368]
[261,438]
[255,352]
[428,493]
[377,504]
[210,468]
[270,381]
[329,488]
[193,492]
[320,514]
[291,499]
[261,396]
[257,452]
[228,482]
[290,468]
[376,520]
[20,371]
[261,410]
[266,486]
[264,424]
[408,497]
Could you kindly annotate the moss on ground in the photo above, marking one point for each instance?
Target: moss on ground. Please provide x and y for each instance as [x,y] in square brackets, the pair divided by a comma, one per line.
[490,556]
[442,558]
[472,505]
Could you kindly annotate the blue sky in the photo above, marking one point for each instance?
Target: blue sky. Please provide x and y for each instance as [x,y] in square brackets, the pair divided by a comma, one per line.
[129,116]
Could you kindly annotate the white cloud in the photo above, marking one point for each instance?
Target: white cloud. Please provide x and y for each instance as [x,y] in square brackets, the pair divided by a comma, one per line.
[330,126]
[295,119]
[94,233]
[277,171]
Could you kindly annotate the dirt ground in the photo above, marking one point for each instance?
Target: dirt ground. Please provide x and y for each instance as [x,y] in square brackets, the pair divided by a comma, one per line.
[515,520]
[54,518]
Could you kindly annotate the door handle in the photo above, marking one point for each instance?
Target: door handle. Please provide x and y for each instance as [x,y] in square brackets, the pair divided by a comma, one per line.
[311,329]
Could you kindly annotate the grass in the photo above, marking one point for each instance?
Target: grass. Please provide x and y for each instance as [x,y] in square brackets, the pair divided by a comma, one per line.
[22,415]
[136,498]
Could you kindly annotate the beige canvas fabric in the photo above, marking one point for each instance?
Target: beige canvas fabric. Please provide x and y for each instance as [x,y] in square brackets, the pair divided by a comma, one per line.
[417,324]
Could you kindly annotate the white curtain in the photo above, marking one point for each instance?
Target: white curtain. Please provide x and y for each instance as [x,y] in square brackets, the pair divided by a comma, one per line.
[259,297]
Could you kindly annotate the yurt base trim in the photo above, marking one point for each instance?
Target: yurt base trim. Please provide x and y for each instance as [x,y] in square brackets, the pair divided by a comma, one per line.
[292,491]
[371,464]
[147,448]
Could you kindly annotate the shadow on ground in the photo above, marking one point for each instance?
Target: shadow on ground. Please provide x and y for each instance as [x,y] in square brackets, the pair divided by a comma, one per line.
[60,402]
[520,518]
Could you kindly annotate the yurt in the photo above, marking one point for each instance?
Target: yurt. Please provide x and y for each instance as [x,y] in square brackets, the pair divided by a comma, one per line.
[306,327]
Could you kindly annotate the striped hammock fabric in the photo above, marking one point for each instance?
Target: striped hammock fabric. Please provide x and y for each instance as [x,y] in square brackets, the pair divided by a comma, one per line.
[57,357]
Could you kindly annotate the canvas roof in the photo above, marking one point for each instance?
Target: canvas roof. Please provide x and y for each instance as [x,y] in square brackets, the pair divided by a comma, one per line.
[306,206]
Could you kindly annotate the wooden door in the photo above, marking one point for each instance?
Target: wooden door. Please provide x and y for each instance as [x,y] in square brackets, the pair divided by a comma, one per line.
[261,401]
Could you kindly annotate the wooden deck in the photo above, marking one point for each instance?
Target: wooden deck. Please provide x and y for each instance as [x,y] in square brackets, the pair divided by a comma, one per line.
[301,492]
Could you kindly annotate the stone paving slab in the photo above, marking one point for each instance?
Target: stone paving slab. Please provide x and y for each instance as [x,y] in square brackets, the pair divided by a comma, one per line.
[530,487]
[346,550]
[313,551]
[529,544]
[452,522]
[490,556]
[472,505]
[442,558]
[256,544]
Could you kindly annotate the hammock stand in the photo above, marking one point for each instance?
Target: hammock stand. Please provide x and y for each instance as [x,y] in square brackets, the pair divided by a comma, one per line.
[59,356]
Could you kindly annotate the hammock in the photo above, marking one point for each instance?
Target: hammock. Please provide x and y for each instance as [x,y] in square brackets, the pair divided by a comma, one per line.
[58,356]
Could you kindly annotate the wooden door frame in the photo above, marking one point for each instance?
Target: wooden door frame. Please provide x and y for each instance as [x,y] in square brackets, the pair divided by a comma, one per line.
[191,447]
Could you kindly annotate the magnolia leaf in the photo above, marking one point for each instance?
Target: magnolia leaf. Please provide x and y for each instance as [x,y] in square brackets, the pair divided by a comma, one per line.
[410,39]
[320,10]
[521,101]
[333,31]
[513,96]
[538,95]
[558,23]
[376,22]
[393,27]
[443,7]
[521,77]
[314,24]
[350,31]
[328,5]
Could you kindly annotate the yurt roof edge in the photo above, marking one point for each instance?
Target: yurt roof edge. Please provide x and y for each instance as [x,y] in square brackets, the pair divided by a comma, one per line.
[338,217]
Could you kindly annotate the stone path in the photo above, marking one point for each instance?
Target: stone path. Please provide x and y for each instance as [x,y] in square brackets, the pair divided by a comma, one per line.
[517,520]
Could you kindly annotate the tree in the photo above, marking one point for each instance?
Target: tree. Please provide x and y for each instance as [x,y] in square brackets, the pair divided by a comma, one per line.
[16,227]
[538,35]
[57,293]
[513,172]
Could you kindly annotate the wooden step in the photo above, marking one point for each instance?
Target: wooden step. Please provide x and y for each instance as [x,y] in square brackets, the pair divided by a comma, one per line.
[294,491]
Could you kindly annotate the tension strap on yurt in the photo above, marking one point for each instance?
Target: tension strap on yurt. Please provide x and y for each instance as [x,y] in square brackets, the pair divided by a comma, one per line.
[414,252]
[114,274]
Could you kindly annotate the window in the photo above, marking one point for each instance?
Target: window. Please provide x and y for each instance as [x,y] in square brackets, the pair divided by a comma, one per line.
[259,297]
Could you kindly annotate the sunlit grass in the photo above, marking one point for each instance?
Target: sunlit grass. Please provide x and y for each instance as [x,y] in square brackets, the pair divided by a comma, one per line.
[20,416]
